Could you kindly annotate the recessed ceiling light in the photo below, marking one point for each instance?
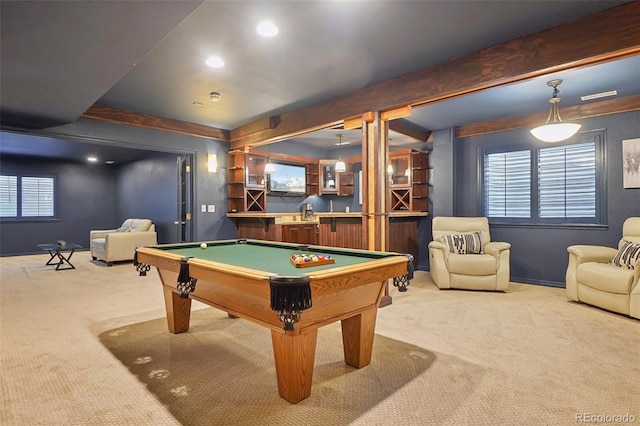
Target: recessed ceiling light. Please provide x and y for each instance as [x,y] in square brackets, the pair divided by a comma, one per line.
[599,95]
[92,159]
[110,162]
[215,62]
[267,29]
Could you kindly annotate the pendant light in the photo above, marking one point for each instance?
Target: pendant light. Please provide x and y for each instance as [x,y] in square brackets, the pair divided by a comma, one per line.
[269,168]
[555,131]
[340,167]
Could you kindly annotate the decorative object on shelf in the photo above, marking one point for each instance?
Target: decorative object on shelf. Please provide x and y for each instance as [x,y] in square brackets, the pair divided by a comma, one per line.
[340,166]
[557,130]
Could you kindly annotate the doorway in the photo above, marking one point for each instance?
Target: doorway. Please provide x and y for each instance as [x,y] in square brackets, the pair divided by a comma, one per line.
[184,204]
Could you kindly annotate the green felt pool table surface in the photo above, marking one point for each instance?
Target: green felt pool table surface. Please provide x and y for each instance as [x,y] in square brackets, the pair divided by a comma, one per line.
[269,257]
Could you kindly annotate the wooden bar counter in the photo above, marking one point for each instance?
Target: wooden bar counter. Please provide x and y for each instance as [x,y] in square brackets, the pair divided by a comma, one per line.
[336,229]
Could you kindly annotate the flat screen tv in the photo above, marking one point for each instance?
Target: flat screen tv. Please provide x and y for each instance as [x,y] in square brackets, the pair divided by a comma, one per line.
[288,179]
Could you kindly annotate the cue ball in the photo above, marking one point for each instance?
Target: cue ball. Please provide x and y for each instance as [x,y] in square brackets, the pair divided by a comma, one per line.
[203,245]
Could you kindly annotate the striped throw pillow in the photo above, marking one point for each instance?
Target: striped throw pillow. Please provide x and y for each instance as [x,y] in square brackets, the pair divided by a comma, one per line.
[463,243]
[628,255]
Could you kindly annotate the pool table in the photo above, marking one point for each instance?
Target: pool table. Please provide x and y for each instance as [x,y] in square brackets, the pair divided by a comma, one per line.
[257,280]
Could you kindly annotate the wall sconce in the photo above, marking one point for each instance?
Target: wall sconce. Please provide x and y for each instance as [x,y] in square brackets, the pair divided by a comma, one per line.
[555,131]
[212,163]
[389,169]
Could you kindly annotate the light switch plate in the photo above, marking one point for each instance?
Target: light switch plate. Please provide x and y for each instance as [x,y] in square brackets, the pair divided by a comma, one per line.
[203,208]
[211,208]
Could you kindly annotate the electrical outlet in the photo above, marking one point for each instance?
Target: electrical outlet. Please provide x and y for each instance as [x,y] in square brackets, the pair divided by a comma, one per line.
[211,208]
[203,208]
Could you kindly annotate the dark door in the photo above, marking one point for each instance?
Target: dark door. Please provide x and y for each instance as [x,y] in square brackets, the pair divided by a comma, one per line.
[184,224]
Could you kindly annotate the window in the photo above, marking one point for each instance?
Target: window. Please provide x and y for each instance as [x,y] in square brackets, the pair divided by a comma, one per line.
[507,178]
[545,185]
[36,195]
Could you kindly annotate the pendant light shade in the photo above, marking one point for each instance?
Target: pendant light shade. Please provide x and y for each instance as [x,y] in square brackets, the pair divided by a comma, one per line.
[556,130]
[269,168]
[340,166]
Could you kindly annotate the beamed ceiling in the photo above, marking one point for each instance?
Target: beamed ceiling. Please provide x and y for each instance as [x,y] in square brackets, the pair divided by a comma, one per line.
[474,66]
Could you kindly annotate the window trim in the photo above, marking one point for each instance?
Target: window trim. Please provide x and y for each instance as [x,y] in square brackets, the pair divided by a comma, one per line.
[19,217]
[597,136]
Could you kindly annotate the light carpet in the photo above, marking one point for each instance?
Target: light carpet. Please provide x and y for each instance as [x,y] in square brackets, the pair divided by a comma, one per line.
[90,346]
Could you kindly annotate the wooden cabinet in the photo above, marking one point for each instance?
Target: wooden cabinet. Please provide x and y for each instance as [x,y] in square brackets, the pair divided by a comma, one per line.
[332,182]
[246,182]
[302,234]
[419,181]
[408,181]
[345,182]
[312,177]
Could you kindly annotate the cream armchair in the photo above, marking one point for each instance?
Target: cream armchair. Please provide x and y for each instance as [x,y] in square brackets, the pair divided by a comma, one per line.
[454,266]
[607,277]
[113,245]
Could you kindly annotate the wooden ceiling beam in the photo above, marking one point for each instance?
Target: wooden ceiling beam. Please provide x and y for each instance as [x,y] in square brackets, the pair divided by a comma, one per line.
[596,38]
[593,109]
[393,114]
[356,122]
[257,126]
[120,116]
[407,128]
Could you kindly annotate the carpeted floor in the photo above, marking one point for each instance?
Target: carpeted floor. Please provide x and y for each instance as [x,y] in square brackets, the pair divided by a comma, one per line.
[90,346]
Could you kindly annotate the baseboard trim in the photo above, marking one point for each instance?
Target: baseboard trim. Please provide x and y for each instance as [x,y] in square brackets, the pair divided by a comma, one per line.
[544,283]
[538,282]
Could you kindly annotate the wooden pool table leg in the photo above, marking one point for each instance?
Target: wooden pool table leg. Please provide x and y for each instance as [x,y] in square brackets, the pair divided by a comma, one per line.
[357,337]
[294,356]
[178,310]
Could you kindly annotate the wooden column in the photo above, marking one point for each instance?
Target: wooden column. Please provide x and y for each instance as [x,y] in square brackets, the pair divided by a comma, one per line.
[375,155]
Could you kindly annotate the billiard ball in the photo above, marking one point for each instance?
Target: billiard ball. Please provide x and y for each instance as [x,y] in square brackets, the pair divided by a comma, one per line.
[203,245]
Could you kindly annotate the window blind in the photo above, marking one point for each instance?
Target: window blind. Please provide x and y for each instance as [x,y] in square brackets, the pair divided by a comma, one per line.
[8,196]
[37,197]
[567,181]
[507,184]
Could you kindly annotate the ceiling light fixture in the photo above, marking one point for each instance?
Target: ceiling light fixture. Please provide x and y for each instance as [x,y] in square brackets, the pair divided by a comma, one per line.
[215,96]
[599,95]
[269,168]
[340,167]
[92,159]
[267,29]
[555,131]
[214,62]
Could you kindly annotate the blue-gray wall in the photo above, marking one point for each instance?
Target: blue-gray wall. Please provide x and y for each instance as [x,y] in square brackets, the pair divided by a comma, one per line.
[539,253]
[209,188]
[91,199]
[101,197]
[148,189]
[87,199]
